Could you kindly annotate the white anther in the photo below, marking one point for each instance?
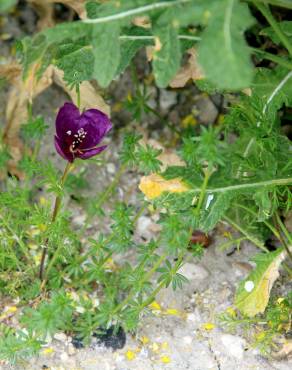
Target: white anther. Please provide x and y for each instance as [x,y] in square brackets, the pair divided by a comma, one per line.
[69,132]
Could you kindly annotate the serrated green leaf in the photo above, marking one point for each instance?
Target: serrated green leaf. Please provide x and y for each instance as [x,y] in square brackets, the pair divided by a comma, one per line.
[215,207]
[274,87]
[253,293]
[223,52]
[129,47]
[106,50]
[167,57]
[77,65]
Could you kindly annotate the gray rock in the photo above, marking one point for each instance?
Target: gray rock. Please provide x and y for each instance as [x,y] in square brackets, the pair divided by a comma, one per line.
[234,346]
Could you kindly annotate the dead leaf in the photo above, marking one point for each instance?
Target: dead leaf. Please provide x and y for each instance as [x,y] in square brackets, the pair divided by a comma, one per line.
[191,70]
[45,12]
[285,351]
[11,70]
[154,185]
[143,21]
[89,96]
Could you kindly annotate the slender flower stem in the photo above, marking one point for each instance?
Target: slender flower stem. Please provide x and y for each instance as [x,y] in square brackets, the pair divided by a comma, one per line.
[265,10]
[54,216]
[106,194]
[162,119]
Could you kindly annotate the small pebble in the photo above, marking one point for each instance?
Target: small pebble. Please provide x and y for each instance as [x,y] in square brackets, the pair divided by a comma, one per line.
[111,168]
[234,345]
[71,349]
[64,356]
[61,337]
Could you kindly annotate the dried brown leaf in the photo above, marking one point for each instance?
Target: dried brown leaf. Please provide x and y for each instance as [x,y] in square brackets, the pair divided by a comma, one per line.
[191,70]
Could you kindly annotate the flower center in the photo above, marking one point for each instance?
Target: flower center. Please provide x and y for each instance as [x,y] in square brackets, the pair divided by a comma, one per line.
[79,137]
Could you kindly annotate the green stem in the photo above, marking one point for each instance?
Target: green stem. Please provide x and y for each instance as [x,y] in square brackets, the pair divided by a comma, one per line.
[271,227]
[286,233]
[78,97]
[146,278]
[135,11]
[162,119]
[248,236]
[106,194]
[53,219]
[274,58]
[265,10]
[259,184]
[162,284]
[282,3]
[203,191]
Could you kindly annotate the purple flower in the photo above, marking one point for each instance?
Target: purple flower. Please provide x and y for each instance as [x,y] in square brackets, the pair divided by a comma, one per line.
[77,135]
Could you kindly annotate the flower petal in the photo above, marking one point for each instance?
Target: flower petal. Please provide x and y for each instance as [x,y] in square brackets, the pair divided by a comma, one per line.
[91,152]
[67,121]
[96,124]
[61,149]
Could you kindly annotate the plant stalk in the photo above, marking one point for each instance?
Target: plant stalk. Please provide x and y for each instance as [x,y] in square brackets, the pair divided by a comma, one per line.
[53,219]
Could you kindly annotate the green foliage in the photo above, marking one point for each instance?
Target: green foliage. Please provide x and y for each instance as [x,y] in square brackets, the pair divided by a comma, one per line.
[6,5]
[223,52]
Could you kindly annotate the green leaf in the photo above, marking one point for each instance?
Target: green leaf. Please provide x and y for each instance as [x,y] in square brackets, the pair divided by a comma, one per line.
[6,5]
[106,50]
[285,26]
[129,47]
[77,65]
[274,87]
[215,207]
[167,55]
[253,293]
[223,52]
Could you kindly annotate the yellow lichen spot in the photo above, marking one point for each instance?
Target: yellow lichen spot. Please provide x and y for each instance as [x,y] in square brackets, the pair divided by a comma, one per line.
[155,306]
[227,234]
[42,227]
[231,312]
[280,300]
[165,359]
[43,201]
[172,311]
[164,345]
[155,347]
[145,340]
[129,97]
[208,326]
[130,355]
[154,185]
[260,336]
[221,119]
[188,121]
[37,258]
[32,246]
[11,309]
[47,351]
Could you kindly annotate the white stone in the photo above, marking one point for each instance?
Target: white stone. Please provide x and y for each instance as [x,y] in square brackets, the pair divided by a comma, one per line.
[143,225]
[111,168]
[61,337]
[187,339]
[193,272]
[71,349]
[234,345]
[64,356]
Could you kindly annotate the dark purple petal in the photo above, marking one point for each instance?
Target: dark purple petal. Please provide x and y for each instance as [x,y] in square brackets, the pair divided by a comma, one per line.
[96,125]
[62,149]
[91,152]
[67,121]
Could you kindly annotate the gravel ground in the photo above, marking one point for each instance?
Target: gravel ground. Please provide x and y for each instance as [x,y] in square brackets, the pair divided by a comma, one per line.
[179,332]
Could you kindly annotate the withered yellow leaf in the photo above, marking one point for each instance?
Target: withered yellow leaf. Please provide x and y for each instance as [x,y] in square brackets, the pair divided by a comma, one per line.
[154,185]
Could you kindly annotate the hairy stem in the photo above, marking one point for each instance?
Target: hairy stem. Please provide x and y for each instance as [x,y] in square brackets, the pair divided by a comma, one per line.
[274,58]
[53,219]
[287,235]
[135,11]
[258,243]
